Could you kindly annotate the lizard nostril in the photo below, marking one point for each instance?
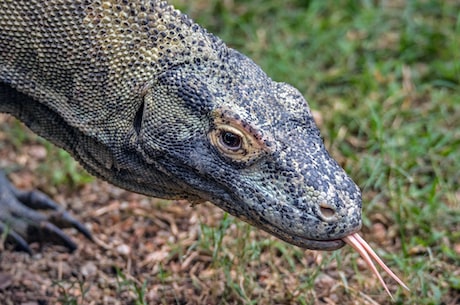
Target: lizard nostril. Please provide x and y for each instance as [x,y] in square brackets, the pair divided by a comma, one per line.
[326,210]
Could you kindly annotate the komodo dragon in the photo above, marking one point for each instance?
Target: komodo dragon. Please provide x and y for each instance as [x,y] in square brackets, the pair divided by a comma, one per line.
[149,101]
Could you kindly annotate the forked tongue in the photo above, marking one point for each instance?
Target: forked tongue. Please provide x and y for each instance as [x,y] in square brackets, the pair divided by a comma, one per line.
[366,252]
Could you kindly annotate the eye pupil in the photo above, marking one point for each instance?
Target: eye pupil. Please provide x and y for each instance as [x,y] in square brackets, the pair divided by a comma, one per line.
[231,140]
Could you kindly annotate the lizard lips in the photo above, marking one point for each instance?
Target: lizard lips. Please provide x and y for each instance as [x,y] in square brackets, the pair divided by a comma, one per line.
[323,245]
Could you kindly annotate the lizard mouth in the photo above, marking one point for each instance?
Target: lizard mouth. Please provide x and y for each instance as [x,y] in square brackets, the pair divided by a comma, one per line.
[325,245]
[307,243]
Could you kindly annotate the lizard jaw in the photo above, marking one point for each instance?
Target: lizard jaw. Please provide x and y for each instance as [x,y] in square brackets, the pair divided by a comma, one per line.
[303,242]
[324,245]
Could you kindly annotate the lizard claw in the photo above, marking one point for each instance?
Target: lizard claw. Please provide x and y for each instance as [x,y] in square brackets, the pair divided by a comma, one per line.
[21,223]
[59,217]
[15,238]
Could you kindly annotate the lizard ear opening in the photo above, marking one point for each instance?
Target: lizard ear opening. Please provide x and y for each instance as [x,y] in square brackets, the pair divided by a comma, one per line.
[138,118]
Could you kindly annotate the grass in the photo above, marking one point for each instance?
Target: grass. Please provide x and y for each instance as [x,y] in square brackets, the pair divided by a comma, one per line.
[383,78]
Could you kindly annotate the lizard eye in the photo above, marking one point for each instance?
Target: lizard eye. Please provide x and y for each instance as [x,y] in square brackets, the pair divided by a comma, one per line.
[230,140]
[236,140]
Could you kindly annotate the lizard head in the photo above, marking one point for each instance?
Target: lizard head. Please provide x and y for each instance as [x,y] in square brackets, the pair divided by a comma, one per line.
[223,131]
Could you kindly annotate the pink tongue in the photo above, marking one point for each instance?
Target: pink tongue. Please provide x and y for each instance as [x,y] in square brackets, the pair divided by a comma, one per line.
[366,252]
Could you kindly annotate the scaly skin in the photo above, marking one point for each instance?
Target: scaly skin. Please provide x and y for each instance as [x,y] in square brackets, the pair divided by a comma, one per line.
[148,100]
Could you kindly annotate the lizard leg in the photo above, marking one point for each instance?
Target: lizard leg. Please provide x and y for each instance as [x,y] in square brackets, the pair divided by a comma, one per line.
[21,222]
